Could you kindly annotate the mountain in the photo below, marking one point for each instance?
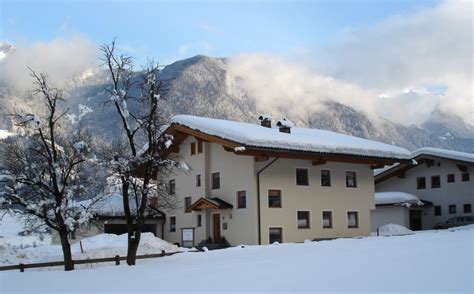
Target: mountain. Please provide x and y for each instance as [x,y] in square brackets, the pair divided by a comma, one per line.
[202,86]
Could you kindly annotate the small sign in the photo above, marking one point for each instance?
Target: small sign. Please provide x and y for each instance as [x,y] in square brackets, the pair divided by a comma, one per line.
[188,235]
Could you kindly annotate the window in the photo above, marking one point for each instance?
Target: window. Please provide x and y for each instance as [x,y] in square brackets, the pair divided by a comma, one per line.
[193,148]
[420,183]
[327,219]
[467,208]
[199,220]
[274,198]
[465,177]
[172,224]
[199,147]
[241,199]
[452,209]
[216,181]
[275,235]
[435,182]
[187,203]
[302,177]
[352,219]
[325,178]
[198,180]
[437,210]
[303,219]
[72,235]
[451,178]
[172,187]
[351,180]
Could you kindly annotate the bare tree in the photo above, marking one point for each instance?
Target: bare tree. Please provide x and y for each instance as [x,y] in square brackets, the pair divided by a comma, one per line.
[144,158]
[46,171]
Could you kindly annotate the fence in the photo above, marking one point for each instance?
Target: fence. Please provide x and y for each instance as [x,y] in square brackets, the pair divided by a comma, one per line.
[116,259]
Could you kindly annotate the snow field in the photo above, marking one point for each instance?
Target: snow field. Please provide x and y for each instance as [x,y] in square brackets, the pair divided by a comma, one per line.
[429,261]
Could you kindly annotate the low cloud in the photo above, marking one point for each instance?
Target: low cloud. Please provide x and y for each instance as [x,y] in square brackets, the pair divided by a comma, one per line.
[61,59]
[394,68]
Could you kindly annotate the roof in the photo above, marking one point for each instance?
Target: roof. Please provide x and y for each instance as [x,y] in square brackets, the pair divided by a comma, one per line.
[419,156]
[300,140]
[397,198]
[111,206]
[214,203]
[449,154]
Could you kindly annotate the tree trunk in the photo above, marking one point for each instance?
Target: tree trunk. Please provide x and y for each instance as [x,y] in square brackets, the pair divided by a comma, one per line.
[68,263]
[133,242]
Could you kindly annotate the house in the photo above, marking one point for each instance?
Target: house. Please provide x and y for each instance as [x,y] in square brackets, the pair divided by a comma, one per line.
[440,179]
[260,184]
[108,217]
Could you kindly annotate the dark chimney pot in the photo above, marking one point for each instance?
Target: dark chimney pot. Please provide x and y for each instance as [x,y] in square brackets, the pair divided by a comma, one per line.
[285,126]
[265,121]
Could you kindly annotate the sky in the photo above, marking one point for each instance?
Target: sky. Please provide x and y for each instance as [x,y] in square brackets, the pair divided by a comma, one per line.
[372,55]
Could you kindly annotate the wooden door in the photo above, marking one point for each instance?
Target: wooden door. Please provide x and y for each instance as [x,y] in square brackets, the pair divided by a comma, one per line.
[415,220]
[216,224]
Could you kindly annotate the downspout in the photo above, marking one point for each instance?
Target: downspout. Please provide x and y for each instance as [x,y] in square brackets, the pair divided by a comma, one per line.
[258,200]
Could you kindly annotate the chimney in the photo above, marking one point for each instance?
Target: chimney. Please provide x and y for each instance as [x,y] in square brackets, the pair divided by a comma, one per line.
[265,120]
[285,125]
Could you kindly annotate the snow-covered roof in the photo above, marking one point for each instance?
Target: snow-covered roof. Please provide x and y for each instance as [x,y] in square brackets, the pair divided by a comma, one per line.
[400,198]
[300,139]
[456,155]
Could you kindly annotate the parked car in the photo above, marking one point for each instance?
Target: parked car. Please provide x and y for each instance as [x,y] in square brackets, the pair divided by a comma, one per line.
[456,222]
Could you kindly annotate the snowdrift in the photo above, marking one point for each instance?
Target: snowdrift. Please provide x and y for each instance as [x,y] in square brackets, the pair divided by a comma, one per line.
[394,230]
[99,246]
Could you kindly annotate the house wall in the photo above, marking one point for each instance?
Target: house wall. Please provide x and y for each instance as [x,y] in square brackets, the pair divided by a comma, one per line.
[457,193]
[383,215]
[314,198]
[236,174]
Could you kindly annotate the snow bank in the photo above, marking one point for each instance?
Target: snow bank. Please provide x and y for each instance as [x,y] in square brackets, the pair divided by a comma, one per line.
[99,246]
[300,139]
[396,198]
[394,230]
[12,233]
[427,262]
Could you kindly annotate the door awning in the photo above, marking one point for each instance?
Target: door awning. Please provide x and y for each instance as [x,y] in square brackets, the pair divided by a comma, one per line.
[213,203]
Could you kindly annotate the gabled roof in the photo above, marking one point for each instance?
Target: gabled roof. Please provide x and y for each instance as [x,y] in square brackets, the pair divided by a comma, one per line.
[443,153]
[214,203]
[244,137]
[422,155]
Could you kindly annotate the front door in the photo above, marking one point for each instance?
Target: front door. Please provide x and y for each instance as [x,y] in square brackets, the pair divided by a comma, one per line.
[216,224]
[415,220]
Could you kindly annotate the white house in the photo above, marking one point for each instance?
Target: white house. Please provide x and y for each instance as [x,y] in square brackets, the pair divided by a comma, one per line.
[440,179]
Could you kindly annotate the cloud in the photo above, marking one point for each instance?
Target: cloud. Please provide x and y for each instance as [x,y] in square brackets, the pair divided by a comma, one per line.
[61,59]
[394,68]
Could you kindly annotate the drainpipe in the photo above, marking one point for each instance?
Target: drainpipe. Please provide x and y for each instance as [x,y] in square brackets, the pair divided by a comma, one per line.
[258,200]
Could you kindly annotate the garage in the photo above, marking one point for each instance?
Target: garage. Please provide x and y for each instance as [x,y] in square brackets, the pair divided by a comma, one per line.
[120,229]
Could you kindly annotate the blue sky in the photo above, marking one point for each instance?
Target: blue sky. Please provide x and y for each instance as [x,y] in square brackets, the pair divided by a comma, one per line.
[170,30]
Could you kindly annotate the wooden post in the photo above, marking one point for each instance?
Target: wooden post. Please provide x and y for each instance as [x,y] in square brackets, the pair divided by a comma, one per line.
[163,253]
[378,232]
[117,260]
[22,267]
[80,243]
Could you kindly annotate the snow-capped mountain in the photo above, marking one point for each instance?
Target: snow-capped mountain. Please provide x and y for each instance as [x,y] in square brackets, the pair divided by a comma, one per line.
[202,86]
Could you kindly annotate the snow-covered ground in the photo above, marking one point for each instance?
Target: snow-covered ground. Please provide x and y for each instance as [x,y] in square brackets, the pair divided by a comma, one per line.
[103,245]
[428,261]
[10,227]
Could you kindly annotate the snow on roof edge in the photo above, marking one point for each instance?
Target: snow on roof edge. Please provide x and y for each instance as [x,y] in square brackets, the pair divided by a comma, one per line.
[444,153]
[301,139]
